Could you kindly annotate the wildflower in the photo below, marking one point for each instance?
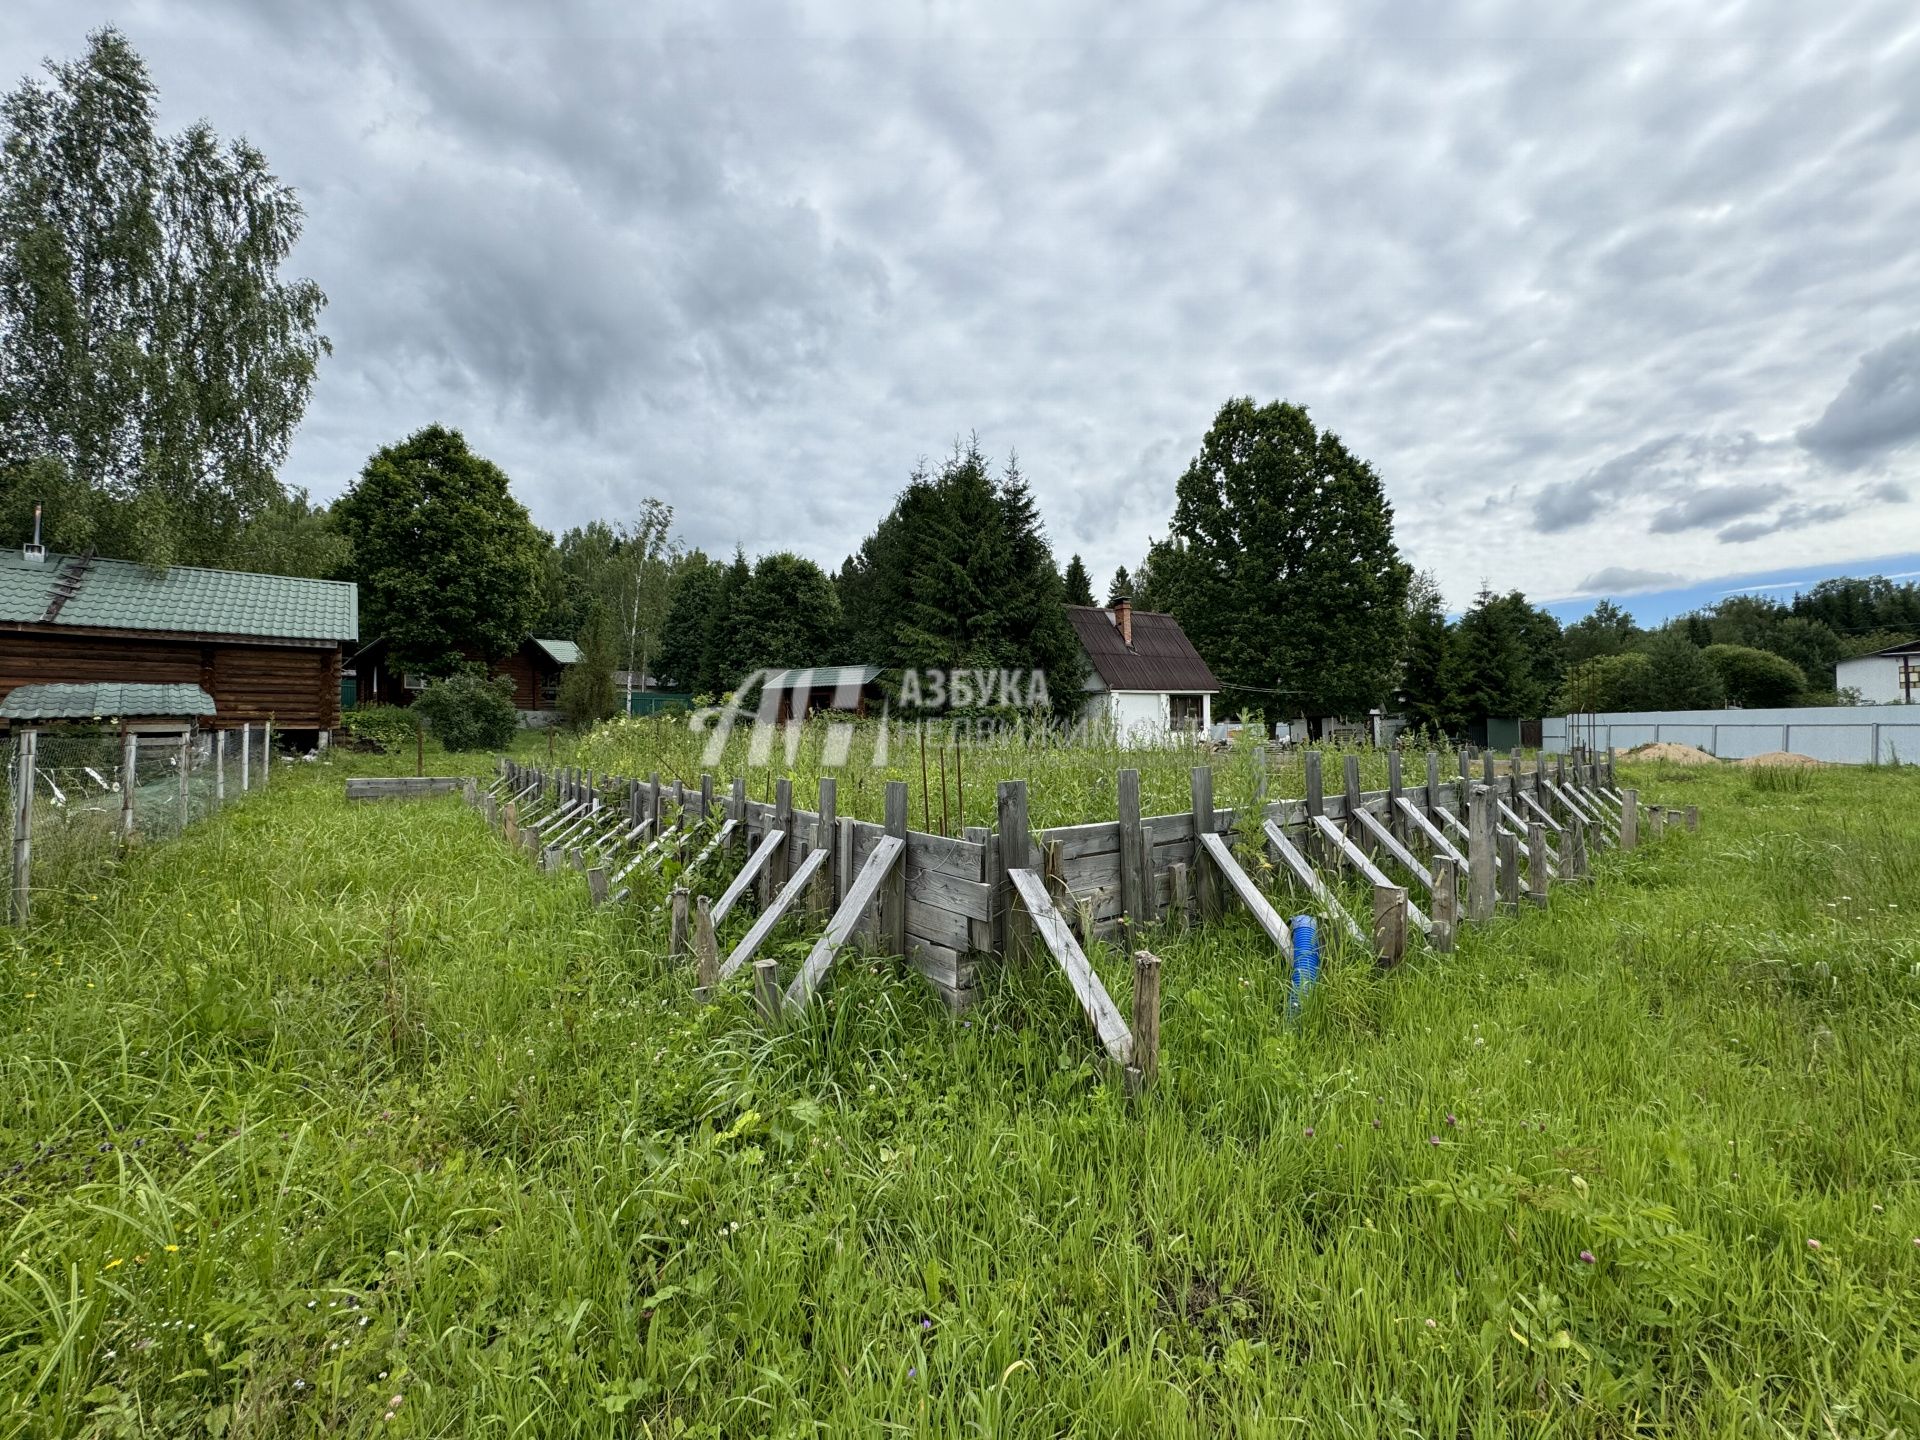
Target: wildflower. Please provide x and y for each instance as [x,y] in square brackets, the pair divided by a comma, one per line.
[1450,1119]
[171,1249]
[394,1403]
[1586,1257]
[1432,1324]
[1812,1244]
[1433,1139]
[912,1370]
[1309,1132]
[115,1262]
[1376,1122]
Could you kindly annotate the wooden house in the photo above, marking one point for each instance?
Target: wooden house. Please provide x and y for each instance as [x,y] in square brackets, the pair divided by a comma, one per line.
[263,647]
[1144,678]
[535,669]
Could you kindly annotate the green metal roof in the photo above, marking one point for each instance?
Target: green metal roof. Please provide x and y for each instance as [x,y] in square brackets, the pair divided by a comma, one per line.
[98,702]
[564,652]
[120,595]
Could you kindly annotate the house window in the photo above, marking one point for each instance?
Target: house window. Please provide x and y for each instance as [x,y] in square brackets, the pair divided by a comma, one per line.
[1183,712]
[550,690]
[412,681]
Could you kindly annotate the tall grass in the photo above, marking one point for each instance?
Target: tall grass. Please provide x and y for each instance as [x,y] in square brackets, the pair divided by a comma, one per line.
[323,1105]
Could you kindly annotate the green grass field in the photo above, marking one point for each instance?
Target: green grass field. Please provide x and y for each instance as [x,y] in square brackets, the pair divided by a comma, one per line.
[341,1120]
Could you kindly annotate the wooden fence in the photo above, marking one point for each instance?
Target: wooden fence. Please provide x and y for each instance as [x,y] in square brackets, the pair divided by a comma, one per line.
[951,905]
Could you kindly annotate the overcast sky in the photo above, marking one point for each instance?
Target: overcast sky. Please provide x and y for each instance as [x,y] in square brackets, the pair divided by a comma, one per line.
[1612,307]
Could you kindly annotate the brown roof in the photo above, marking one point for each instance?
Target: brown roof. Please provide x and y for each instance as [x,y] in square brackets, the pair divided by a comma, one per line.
[1160,659]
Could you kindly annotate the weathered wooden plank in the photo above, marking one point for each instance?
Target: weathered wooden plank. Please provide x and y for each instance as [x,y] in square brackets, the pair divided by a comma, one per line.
[1136,893]
[1214,848]
[943,927]
[764,922]
[719,840]
[1443,847]
[1066,951]
[1540,812]
[1357,858]
[397,787]
[971,899]
[891,851]
[1390,843]
[1303,871]
[1480,857]
[756,862]
[1390,909]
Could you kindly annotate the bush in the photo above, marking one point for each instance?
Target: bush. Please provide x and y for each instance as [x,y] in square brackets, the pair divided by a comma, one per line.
[469,712]
[385,727]
[1756,678]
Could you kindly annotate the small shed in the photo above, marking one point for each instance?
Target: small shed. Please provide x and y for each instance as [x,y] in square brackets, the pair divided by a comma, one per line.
[800,693]
[1886,677]
[1144,677]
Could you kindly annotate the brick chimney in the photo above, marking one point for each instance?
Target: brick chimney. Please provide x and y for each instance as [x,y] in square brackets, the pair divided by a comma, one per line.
[1122,612]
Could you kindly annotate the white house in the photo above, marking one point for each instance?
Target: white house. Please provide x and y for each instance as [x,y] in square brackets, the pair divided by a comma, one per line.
[1886,677]
[1143,675]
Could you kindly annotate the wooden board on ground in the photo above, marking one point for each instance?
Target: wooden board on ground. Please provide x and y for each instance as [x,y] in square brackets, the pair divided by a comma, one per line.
[763,924]
[756,862]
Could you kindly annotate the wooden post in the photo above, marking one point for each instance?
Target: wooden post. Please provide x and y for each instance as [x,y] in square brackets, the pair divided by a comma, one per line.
[1537,863]
[893,894]
[1656,821]
[25,766]
[220,769]
[1389,924]
[129,763]
[706,952]
[1693,817]
[1182,892]
[821,901]
[1316,802]
[706,796]
[1486,766]
[266,755]
[1480,856]
[1013,853]
[770,881]
[1630,820]
[1433,781]
[1507,846]
[246,756]
[186,777]
[510,822]
[980,932]
[1146,1016]
[737,811]
[1350,775]
[1446,904]
[1206,882]
[766,991]
[677,924]
[1396,823]
[1136,878]
[597,885]
[1578,829]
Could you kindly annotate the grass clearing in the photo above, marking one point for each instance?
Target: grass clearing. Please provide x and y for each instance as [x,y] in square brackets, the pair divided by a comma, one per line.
[322,1105]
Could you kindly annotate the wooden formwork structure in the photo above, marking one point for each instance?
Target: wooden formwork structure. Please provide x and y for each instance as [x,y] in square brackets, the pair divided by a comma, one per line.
[1434,848]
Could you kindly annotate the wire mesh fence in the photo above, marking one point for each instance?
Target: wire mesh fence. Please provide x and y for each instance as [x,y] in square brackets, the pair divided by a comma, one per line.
[76,797]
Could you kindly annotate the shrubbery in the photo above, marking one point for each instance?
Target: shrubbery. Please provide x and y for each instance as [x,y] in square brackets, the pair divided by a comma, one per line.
[385,727]
[469,712]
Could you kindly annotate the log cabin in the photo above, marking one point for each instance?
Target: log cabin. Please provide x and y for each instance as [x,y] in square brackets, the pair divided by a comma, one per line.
[264,647]
[535,668]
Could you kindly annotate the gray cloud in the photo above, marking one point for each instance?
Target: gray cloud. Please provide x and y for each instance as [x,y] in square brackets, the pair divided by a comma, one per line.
[758,260]
[1876,411]
[1623,580]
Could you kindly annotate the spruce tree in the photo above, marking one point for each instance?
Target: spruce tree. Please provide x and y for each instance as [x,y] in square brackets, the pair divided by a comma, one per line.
[1423,678]
[1120,587]
[1079,584]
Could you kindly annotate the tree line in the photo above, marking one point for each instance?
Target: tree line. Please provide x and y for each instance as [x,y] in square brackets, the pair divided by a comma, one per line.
[154,364]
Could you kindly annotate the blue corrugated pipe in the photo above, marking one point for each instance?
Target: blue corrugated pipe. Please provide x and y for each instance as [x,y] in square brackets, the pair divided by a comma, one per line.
[1306,961]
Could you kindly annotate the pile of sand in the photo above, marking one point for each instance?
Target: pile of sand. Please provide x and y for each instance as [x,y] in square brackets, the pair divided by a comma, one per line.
[1667,750]
[1779,757]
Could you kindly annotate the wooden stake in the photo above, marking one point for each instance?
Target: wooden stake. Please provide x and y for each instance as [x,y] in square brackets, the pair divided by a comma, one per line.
[706,953]
[1182,893]
[1480,856]
[1206,883]
[677,923]
[597,885]
[1389,924]
[129,760]
[1446,904]
[1509,850]
[1136,876]
[766,992]
[1146,1016]
[1630,820]
[25,767]
[893,891]
[1537,863]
